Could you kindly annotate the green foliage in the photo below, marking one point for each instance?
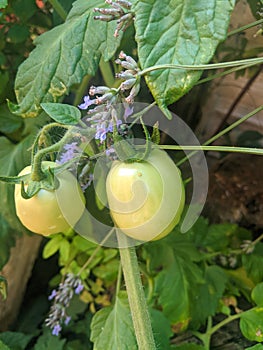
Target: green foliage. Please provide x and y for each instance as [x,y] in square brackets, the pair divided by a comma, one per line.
[251,324]
[187,278]
[118,332]
[62,113]
[257,294]
[162,331]
[3,3]
[251,263]
[15,340]
[48,341]
[256,7]
[62,57]
[255,347]
[178,33]
[3,346]
[112,327]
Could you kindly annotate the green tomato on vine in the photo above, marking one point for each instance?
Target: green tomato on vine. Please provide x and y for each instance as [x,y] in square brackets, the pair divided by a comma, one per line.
[146,198]
[49,211]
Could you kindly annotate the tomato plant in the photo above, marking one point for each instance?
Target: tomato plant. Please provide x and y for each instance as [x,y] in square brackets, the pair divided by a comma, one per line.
[43,213]
[146,198]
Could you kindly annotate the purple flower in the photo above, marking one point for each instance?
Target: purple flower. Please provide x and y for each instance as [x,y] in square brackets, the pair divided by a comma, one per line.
[110,127]
[67,320]
[71,149]
[109,151]
[87,102]
[128,110]
[61,301]
[101,133]
[56,330]
[52,295]
[79,288]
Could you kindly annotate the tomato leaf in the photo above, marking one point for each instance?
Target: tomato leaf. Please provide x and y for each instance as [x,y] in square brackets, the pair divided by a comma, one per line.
[257,294]
[255,347]
[2,345]
[62,113]
[161,329]
[208,295]
[48,341]
[62,57]
[178,32]
[12,339]
[251,324]
[112,327]
[253,262]
[179,279]
[9,122]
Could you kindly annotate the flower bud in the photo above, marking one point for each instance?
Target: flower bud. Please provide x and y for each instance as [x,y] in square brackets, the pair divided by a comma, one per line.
[128,84]
[98,90]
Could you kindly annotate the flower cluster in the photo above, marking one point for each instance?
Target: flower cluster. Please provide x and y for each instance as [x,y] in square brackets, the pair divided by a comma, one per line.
[129,75]
[110,96]
[70,151]
[120,11]
[61,300]
[247,246]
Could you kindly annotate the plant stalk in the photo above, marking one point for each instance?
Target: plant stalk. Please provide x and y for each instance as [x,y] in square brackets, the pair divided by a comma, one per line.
[137,300]
[198,67]
[58,8]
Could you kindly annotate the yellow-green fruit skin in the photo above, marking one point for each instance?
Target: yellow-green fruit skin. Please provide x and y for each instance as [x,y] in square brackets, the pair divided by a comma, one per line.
[146,198]
[50,212]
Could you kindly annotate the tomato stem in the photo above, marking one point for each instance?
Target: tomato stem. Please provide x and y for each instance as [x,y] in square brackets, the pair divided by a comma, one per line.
[37,173]
[201,67]
[137,300]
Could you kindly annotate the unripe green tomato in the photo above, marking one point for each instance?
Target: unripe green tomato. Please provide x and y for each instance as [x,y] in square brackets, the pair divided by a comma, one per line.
[50,212]
[146,198]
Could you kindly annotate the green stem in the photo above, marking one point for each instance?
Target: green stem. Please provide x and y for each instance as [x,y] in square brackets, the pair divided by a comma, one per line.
[139,114]
[222,74]
[206,337]
[58,8]
[37,172]
[245,27]
[223,132]
[137,301]
[257,60]
[96,250]
[81,90]
[247,150]
[119,278]
[223,323]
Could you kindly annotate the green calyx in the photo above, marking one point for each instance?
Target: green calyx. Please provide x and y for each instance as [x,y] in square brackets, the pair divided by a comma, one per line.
[29,187]
[128,152]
